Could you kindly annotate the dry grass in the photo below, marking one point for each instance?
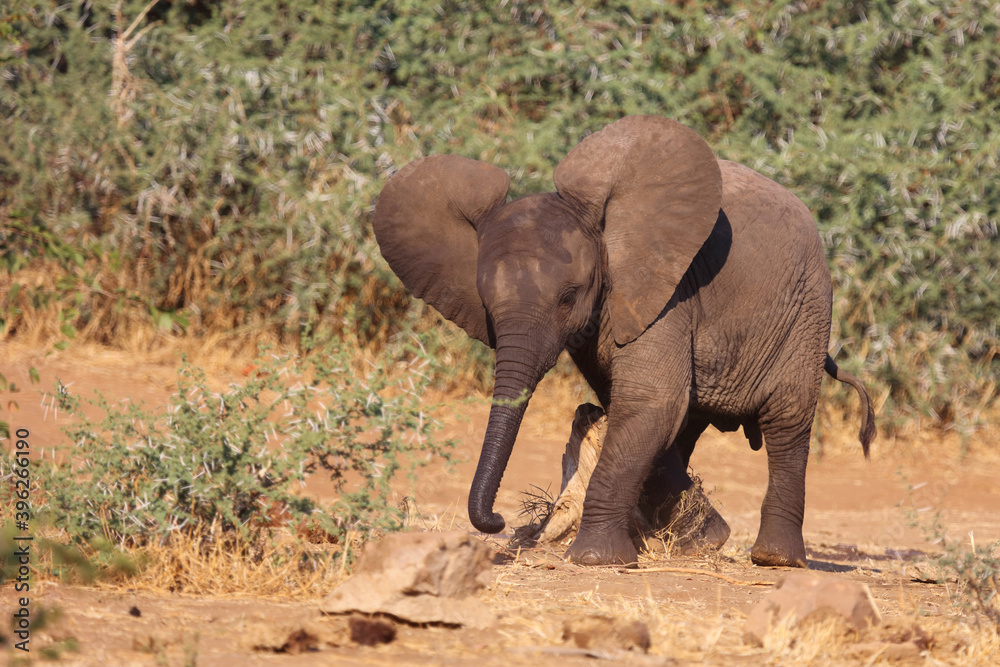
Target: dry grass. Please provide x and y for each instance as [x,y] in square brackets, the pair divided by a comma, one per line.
[102,306]
[282,567]
[694,614]
[690,619]
[707,629]
[111,327]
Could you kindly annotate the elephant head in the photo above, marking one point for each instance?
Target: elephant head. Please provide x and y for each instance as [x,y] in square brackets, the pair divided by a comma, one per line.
[634,204]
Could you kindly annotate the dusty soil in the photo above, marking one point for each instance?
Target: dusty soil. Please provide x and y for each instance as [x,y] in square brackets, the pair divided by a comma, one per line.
[855,527]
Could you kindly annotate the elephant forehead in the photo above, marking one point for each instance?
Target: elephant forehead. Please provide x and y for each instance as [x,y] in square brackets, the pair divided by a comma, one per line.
[519,279]
[531,249]
[532,224]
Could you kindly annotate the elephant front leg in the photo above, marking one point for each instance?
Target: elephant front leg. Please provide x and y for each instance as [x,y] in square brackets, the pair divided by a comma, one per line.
[632,442]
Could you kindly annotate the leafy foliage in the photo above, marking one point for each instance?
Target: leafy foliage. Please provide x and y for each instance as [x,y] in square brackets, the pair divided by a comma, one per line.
[9,404]
[231,462]
[210,167]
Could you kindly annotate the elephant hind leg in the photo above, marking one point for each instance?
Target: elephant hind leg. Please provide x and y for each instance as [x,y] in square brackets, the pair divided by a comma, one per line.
[786,438]
[671,501]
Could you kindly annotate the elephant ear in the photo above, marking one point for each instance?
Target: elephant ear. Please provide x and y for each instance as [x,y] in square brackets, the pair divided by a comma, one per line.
[425,224]
[658,189]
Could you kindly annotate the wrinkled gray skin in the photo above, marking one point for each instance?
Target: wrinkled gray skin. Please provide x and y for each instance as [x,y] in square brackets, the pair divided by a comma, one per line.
[689,291]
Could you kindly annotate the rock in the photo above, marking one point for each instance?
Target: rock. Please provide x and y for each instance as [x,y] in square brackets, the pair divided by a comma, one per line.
[607,634]
[804,598]
[419,578]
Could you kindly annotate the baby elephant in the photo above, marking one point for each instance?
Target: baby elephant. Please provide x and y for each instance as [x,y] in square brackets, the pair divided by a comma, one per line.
[688,290]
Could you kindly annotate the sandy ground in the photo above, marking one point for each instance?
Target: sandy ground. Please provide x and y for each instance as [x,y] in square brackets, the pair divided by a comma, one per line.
[855,528]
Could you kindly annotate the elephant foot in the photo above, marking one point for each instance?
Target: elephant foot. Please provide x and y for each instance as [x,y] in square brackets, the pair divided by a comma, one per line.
[708,535]
[602,548]
[776,549]
[689,519]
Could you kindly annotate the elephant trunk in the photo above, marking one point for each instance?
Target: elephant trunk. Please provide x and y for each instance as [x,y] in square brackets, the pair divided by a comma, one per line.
[518,371]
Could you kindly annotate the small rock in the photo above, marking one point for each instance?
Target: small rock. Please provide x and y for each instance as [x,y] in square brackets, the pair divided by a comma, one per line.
[419,578]
[803,598]
[607,634]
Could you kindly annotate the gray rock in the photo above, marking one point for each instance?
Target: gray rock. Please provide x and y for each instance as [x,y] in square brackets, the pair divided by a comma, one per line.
[419,578]
[802,598]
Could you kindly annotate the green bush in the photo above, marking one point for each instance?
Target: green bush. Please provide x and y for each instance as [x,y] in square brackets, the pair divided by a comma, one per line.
[232,463]
[214,170]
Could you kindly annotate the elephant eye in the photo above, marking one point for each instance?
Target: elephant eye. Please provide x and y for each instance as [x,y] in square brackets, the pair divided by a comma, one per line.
[568,298]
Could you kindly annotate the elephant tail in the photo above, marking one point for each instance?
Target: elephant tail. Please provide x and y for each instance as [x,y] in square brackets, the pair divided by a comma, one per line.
[868,429]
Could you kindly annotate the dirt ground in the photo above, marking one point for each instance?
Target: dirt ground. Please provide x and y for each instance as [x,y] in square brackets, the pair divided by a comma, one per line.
[855,528]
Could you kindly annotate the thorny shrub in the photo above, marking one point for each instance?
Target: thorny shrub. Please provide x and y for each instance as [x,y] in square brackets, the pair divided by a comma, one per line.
[233,462]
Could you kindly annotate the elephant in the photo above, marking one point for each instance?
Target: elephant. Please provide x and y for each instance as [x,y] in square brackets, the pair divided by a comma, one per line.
[689,291]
